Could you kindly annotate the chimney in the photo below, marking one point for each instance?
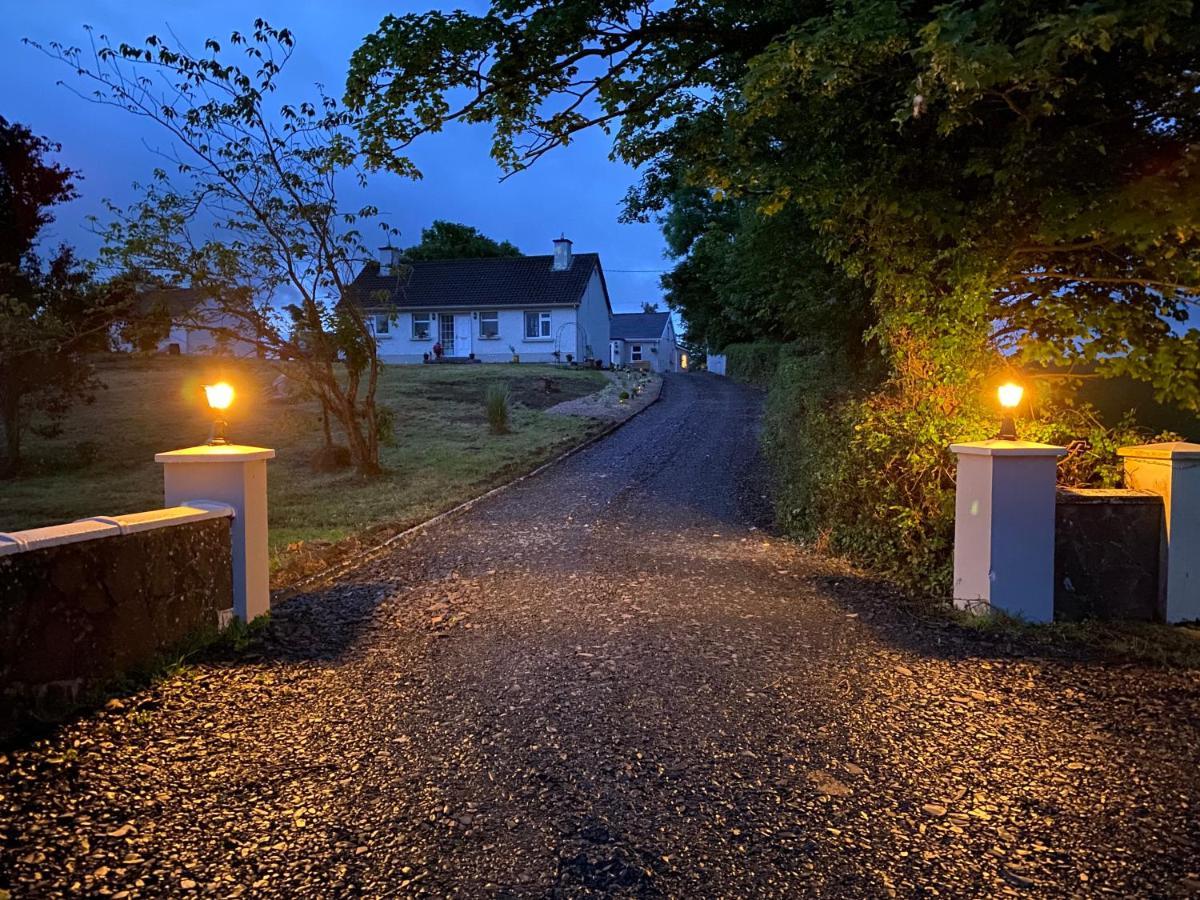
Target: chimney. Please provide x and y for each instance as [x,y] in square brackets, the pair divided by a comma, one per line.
[389,260]
[562,254]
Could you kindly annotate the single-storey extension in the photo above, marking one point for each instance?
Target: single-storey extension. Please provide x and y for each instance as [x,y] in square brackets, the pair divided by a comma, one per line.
[645,340]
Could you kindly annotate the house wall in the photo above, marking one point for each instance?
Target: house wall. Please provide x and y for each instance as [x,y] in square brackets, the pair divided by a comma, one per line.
[594,322]
[399,347]
[665,360]
[201,341]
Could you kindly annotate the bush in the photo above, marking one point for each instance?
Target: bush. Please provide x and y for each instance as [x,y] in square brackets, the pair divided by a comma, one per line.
[495,401]
[864,469]
[753,363]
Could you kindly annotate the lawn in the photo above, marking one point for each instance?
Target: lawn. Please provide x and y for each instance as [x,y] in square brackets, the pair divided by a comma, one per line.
[443,453]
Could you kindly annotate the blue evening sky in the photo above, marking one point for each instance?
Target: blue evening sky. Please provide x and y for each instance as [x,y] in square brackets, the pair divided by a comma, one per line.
[576,190]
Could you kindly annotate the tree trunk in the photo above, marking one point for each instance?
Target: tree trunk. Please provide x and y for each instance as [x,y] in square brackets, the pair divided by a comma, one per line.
[10,419]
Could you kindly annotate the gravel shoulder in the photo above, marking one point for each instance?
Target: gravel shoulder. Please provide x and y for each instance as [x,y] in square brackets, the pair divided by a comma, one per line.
[612,680]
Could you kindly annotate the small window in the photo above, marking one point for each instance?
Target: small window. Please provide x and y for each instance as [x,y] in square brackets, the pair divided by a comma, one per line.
[635,352]
[489,324]
[537,325]
[422,326]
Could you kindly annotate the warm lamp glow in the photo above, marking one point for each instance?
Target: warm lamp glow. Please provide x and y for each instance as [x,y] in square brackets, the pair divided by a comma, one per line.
[219,395]
[1010,395]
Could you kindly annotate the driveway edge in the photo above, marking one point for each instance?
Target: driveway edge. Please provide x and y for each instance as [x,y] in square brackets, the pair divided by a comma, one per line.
[364,556]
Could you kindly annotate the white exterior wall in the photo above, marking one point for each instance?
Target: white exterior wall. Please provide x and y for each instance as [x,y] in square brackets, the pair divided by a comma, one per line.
[595,319]
[201,341]
[399,347]
[666,359]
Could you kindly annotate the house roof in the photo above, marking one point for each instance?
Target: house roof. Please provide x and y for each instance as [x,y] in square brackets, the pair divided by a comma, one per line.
[176,301]
[638,326]
[500,281]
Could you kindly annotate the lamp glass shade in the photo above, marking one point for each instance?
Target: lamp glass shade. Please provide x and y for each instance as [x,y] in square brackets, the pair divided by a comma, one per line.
[219,395]
[1010,395]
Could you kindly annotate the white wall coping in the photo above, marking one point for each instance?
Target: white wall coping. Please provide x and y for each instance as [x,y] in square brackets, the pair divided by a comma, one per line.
[220,453]
[111,526]
[997,447]
[1168,450]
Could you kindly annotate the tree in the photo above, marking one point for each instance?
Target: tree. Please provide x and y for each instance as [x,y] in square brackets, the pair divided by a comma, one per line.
[249,214]
[453,240]
[648,307]
[48,315]
[1016,178]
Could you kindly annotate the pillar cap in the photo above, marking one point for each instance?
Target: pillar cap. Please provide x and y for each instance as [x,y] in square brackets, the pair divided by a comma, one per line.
[1168,450]
[221,453]
[996,447]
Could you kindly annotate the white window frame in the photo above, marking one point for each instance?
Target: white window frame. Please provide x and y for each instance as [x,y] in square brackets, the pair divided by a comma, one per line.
[543,322]
[635,352]
[381,326]
[489,315]
[428,318]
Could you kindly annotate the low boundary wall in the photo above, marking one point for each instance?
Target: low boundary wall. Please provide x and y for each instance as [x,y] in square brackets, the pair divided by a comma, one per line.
[83,603]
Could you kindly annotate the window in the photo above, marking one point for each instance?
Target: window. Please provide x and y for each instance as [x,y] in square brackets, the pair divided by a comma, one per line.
[537,325]
[382,324]
[635,352]
[489,324]
[422,326]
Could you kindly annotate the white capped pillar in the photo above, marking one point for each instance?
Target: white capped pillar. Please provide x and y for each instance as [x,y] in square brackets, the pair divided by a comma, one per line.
[236,476]
[1004,527]
[1172,470]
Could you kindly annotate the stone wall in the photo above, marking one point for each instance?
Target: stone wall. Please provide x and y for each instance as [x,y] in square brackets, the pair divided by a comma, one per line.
[1107,555]
[75,615]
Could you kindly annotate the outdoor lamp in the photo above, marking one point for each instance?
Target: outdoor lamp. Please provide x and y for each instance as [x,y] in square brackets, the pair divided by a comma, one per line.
[219,397]
[1010,398]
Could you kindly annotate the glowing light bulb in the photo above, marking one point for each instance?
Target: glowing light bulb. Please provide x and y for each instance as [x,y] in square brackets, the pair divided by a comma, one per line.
[219,395]
[1010,395]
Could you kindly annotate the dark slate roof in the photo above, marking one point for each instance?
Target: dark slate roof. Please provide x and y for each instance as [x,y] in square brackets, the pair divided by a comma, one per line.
[504,281]
[177,301]
[638,326]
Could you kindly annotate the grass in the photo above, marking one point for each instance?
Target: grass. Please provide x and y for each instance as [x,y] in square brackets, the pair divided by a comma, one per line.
[1145,642]
[443,451]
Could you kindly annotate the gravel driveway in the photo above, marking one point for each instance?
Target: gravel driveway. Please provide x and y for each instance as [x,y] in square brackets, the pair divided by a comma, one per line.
[611,681]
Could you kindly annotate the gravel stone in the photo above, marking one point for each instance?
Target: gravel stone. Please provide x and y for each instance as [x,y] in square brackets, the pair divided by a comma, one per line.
[632,688]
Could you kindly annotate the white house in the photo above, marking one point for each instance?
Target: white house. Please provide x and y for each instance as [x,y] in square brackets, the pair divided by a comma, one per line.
[492,310]
[645,340]
[198,325]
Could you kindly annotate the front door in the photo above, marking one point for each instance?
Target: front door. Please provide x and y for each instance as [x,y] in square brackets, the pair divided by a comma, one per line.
[462,334]
[446,333]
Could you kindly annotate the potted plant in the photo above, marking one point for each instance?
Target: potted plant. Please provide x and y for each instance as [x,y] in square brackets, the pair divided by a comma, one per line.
[515,356]
[438,350]
[570,359]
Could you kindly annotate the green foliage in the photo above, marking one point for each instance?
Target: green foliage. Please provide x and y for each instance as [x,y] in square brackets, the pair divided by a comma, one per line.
[864,469]
[1017,177]
[248,211]
[48,314]
[453,240]
[496,406]
[753,363]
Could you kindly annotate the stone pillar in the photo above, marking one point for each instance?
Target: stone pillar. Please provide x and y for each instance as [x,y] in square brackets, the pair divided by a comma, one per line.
[1172,471]
[1004,528]
[236,476]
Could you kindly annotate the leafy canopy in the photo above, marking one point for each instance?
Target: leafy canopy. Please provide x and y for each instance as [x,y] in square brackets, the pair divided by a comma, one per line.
[453,240]
[1001,176]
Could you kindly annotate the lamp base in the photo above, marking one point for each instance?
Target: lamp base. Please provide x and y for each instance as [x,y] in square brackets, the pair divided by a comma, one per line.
[1008,430]
[217,437]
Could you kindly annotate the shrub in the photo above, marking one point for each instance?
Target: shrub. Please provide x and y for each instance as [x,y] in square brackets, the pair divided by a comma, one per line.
[753,363]
[864,469]
[624,395]
[496,406]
